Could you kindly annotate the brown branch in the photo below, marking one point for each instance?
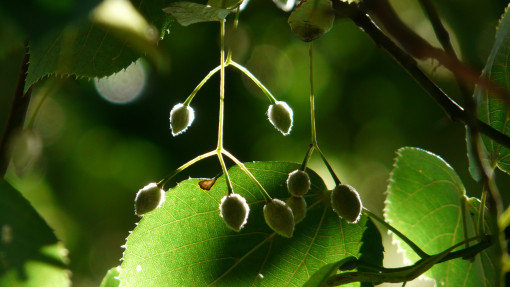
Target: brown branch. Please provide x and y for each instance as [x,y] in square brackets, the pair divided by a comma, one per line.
[419,48]
[450,107]
[17,113]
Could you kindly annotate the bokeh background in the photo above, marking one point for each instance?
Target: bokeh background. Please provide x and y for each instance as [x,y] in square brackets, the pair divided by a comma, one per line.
[89,154]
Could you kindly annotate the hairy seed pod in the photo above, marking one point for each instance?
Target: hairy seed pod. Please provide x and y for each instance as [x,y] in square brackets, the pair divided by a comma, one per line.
[181,117]
[234,210]
[149,198]
[298,183]
[298,206]
[279,217]
[280,115]
[346,202]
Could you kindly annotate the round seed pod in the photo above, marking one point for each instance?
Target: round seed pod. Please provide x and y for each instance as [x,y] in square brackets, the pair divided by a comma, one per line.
[149,198]
[298,206]
[311,19]
[181,117]
[234,210]
[279,217]
[298,182]
[346,202]
[280,115]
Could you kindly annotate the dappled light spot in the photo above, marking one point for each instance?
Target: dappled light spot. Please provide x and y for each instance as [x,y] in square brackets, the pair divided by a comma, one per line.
[25,148]
[124,86]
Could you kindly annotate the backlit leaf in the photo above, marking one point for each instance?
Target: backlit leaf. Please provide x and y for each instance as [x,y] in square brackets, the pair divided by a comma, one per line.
[187,13]
[186,243]
[493,110]
[426,201]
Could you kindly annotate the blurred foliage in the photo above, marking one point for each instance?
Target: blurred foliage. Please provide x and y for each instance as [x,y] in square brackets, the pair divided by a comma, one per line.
[96,154]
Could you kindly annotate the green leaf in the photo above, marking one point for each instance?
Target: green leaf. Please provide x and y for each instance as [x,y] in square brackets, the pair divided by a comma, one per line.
[225,4]
[186,243]
[311,19]
[111,278]
[320,277]
[30,254]
[492,110]
[187,13]
[426,201]
[85,49]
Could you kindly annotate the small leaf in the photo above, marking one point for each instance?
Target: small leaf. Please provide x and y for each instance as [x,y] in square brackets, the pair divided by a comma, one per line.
[186,243]
[425,201]
[225,4]
[30,254]
[320,277]
[493,110]
[111,279]
[311,19]
[187,13]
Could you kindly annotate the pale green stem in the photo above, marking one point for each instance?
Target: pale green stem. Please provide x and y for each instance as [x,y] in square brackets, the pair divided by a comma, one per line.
[199,86]
[184,166]
[312,97]
[219,147]
[222,87]
[330,169]
[409,242]
[247,172]
[225,172]
[236,23]
[307,157]
[270,97]
[481,212]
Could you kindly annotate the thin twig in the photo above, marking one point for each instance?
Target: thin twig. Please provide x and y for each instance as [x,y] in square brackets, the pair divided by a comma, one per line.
[450,107]
[419,48]
[17,113]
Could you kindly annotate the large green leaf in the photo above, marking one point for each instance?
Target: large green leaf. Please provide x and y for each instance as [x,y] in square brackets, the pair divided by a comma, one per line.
[30,254]
[492,110]
[187,13]
[426,201]
[186,243]
[85,49]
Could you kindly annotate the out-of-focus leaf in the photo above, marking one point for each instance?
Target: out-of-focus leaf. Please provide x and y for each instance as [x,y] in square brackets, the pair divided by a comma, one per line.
[30,254]
[311,19]
[187,13]
[493,110]
[426,201]
[111,279]
[36,17]
[186,243]
[86,49]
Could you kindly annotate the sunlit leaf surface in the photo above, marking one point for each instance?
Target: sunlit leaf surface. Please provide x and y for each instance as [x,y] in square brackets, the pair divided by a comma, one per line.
[186,243]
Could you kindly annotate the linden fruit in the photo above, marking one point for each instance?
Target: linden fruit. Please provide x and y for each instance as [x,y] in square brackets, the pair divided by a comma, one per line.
[346,203]
[149,198]
[234,211]
[181,117]
[279,217]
